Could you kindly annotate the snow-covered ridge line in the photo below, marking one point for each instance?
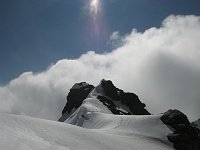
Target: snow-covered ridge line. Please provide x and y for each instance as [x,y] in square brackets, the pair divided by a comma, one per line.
[108,133]
[114,99]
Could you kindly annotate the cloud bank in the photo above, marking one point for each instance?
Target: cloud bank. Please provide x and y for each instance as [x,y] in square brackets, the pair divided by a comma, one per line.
[161,65]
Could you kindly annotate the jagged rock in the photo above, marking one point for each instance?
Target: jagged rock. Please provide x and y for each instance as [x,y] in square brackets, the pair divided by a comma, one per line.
[110,90]
[132,101]
[187,139]
[111,106]
[185,136]
[77,94]
[175,119]
[116,100]
[129,100]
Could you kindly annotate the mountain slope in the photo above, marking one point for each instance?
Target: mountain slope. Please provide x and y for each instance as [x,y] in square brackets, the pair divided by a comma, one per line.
[100,118]
[106,132]
[103,98]
[112,110]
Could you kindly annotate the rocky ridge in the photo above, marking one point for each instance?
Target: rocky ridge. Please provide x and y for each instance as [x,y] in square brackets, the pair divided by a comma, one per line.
[75,97]
[115,99]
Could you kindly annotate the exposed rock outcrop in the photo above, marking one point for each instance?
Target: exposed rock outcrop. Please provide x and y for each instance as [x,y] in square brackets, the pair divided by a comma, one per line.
[116,100]
[184,136]
[77,94]
[129,101]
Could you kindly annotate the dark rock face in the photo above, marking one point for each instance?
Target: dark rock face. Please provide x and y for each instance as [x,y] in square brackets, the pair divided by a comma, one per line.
[110,90]
[113,99]
[111,106]
[185,136]
[129,100]
[77,94]
[175,119]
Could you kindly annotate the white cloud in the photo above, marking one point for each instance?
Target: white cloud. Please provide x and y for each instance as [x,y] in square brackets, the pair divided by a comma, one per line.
[116,40]
[115,36]
[161,65]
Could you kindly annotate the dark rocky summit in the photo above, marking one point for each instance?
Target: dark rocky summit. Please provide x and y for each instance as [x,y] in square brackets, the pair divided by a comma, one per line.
[77,94]
[184,136]
[112,97]
[115,97]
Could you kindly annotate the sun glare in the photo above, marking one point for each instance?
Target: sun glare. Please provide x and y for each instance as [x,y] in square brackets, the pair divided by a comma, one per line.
[95,6]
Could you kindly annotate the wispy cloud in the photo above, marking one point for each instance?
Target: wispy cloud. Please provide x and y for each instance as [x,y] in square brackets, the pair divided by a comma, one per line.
[161,65]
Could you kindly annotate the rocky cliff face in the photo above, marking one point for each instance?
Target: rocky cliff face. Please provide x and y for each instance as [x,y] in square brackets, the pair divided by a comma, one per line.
[115,99]
[75,97]
[184,136]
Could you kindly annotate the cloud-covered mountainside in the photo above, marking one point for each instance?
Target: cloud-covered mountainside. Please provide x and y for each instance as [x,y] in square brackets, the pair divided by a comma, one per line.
[102,117]
[161,65]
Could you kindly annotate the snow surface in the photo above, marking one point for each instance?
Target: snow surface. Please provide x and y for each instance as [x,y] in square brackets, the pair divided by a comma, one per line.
[98,90]
[91,127]
[102,132]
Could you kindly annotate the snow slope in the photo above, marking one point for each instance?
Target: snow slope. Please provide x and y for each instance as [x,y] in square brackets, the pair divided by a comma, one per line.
[102,132]
[91,127]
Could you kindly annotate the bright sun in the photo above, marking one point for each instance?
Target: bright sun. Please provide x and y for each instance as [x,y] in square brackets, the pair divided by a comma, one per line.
[95,6]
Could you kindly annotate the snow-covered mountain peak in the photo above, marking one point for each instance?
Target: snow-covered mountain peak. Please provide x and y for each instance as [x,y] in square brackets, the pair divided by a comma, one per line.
[105,94]
[100,118]
[109,109]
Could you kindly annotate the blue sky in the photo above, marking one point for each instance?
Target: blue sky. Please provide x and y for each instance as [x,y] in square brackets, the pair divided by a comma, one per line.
[36,33]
